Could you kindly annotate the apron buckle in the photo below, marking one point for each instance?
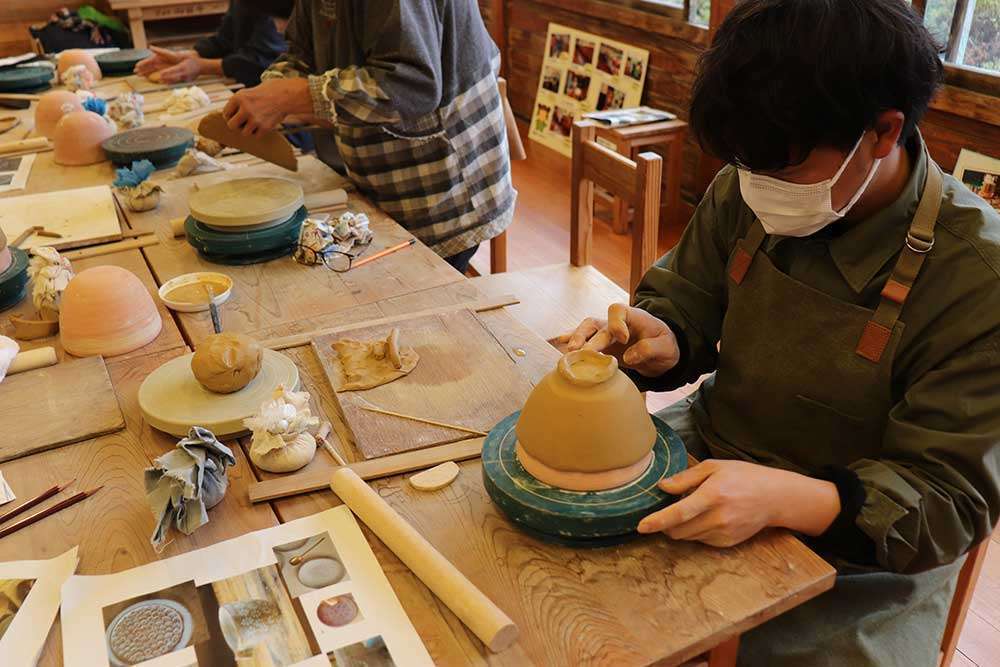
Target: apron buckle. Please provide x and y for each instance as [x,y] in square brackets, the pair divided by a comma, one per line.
[917,244]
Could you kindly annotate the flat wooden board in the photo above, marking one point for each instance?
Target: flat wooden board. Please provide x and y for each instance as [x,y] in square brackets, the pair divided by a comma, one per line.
[55,406]
[464,377]
[85,216]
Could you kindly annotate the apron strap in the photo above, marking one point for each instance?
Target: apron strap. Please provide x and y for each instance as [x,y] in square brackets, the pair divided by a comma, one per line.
[746,248]
[919,241]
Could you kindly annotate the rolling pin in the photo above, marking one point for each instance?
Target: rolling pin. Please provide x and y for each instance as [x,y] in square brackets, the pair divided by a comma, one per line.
[487,621]
[24,145]
[32,359]
[177,227]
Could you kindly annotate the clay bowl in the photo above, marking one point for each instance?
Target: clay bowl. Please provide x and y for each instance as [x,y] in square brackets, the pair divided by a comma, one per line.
[585,426]
[107,310]
[78,137]
[72,57]
[52,106]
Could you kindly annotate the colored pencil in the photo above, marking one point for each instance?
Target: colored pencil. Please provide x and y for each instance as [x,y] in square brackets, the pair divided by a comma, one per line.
[38,516]
[27,505]
[383,253]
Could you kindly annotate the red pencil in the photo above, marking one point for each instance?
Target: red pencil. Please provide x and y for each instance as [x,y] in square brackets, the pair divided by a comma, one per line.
[27,505]
[383,253]
[38,516]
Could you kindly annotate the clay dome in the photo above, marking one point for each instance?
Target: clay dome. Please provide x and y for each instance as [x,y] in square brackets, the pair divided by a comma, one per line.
[52,106]
[107,310]
[72,57]
[585,426]
[78,138]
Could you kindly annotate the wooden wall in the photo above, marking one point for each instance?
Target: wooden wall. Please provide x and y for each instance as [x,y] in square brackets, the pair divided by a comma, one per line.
[965,114]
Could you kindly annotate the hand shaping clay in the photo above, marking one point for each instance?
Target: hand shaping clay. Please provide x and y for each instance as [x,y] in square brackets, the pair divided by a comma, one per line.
[226,362]
[585,426]
[52,106]
[371,363]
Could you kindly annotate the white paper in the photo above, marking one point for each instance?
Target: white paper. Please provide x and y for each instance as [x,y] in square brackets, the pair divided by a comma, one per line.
[24,638]
[91,605]
[14,172]
[6,493]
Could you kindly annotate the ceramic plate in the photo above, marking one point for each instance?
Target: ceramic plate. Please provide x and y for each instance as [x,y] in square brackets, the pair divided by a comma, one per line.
[147,630]
[246,201]
[320,572]
[337,611]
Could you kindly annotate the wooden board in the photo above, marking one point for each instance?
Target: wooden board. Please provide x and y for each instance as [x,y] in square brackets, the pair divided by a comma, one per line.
[55,406]
[464,377]
[85,216]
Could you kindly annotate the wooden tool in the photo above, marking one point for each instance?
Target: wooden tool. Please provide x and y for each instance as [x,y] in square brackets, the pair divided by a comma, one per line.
[270,146]
[383,253]
[30,360]
[422,420]
[8,123]
[27,505]
[20,97]
[111,248]
[38,516]
[213,309]
[23,236]
[24,146]
[322,435]
[41,231]
[487,621]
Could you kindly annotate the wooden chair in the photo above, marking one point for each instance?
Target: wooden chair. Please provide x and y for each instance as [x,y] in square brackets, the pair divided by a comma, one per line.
[637,182]
[967,578]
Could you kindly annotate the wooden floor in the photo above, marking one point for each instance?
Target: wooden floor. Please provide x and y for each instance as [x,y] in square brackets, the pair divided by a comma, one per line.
[540,236]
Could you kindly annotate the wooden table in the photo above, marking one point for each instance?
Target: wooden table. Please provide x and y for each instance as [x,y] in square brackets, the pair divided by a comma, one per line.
[665,137]
[651,600]
[140,11]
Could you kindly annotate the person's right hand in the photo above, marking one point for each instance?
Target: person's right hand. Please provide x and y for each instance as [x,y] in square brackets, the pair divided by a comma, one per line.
[638,340]
[161,59]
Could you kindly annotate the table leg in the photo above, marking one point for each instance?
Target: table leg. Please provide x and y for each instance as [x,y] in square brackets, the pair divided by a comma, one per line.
[673,177]
[724,655]
[620,207]
[137,28]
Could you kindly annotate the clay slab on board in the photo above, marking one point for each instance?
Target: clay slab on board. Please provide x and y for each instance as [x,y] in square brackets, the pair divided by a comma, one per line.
[464,377]
[55,406]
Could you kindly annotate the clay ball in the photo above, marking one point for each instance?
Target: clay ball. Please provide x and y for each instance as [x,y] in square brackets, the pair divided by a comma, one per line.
[226,362]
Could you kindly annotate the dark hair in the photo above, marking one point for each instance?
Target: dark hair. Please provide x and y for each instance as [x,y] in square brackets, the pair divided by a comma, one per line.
[783,77]
[281,9]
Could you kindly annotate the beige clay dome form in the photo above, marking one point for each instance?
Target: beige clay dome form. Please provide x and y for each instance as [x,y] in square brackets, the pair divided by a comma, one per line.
[72,57]
[585,426]
[78,137]
[52,106]
[107,310]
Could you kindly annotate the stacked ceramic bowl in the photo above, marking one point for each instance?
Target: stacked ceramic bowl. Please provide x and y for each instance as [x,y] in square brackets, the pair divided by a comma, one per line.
[13,273]
[25,79]
[246,220]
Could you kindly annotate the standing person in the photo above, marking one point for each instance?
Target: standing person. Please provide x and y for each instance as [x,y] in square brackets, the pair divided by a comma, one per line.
[409,89]
[846,294]
[246,44]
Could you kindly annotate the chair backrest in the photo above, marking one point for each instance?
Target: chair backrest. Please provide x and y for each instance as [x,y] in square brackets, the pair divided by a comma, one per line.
[637,182]
[966,584]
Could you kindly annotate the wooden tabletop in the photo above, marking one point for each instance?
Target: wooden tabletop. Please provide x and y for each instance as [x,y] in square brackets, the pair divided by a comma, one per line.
[646,601]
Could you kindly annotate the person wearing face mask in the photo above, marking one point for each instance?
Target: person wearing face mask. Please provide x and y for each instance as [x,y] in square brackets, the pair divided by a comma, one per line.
[845,294]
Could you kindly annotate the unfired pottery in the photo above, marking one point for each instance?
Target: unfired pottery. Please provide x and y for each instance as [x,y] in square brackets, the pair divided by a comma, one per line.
[226,362]
[107,310]
[71,57]
[365,364]
[78,137]
[585,426]
[52,106]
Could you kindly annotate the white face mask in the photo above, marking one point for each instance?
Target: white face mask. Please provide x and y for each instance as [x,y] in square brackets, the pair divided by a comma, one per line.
[790,209]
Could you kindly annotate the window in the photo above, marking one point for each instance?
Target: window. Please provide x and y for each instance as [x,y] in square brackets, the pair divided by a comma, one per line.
[968,31]
[696,11]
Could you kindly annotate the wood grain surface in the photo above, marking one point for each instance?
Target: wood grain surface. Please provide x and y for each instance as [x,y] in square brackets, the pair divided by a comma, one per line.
[463,377]
[55,406]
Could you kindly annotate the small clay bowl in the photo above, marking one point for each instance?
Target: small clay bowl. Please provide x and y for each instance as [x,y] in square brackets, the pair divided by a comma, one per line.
[210,277]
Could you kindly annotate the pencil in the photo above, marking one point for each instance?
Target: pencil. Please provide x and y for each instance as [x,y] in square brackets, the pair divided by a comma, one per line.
[383,253]
[27,505]
[38,516]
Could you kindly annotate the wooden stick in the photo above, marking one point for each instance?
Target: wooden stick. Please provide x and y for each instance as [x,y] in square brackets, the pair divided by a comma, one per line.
[38,516]
[384,466]
[324,431]
[133,234]
[24,236]
[27,505]
[20,96]
[46,233]
[383,253]
[479,306]
[109,248]
[487,621]
[24,146]
[422,420]
[29,360]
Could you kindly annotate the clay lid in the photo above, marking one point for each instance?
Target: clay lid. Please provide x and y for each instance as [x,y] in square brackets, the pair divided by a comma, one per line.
[586,416]
[107,310]
[71,57]
[78,137]
[52,106]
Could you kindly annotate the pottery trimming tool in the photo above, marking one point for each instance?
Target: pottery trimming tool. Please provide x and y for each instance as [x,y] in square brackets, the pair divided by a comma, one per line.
[270,146]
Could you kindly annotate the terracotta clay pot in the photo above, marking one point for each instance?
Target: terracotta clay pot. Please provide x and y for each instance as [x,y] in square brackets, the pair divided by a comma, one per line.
[107,310]
[585,426]
[78,138]
[72,57]
[50,110]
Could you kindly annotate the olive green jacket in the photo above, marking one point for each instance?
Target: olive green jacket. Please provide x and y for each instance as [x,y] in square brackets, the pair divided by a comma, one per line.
[932,489]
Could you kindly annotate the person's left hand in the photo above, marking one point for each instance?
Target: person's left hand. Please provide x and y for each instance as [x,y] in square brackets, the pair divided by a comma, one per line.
[186,70]
[264,107]
[731,501]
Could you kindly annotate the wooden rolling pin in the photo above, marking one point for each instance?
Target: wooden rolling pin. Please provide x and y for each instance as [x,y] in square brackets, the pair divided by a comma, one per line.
[472,607]
[32,359]
[24,145]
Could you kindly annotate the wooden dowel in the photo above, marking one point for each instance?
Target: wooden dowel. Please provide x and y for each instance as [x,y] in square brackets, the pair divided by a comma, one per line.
[487,621]
[383,253]
[38,516]
[20,96]
[109,248]
[24,146]
[133,234]
[27,505]
[422,420]
[29,360]
[322,435]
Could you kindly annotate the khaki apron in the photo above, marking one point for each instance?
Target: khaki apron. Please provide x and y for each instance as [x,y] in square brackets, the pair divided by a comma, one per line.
[804,381]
